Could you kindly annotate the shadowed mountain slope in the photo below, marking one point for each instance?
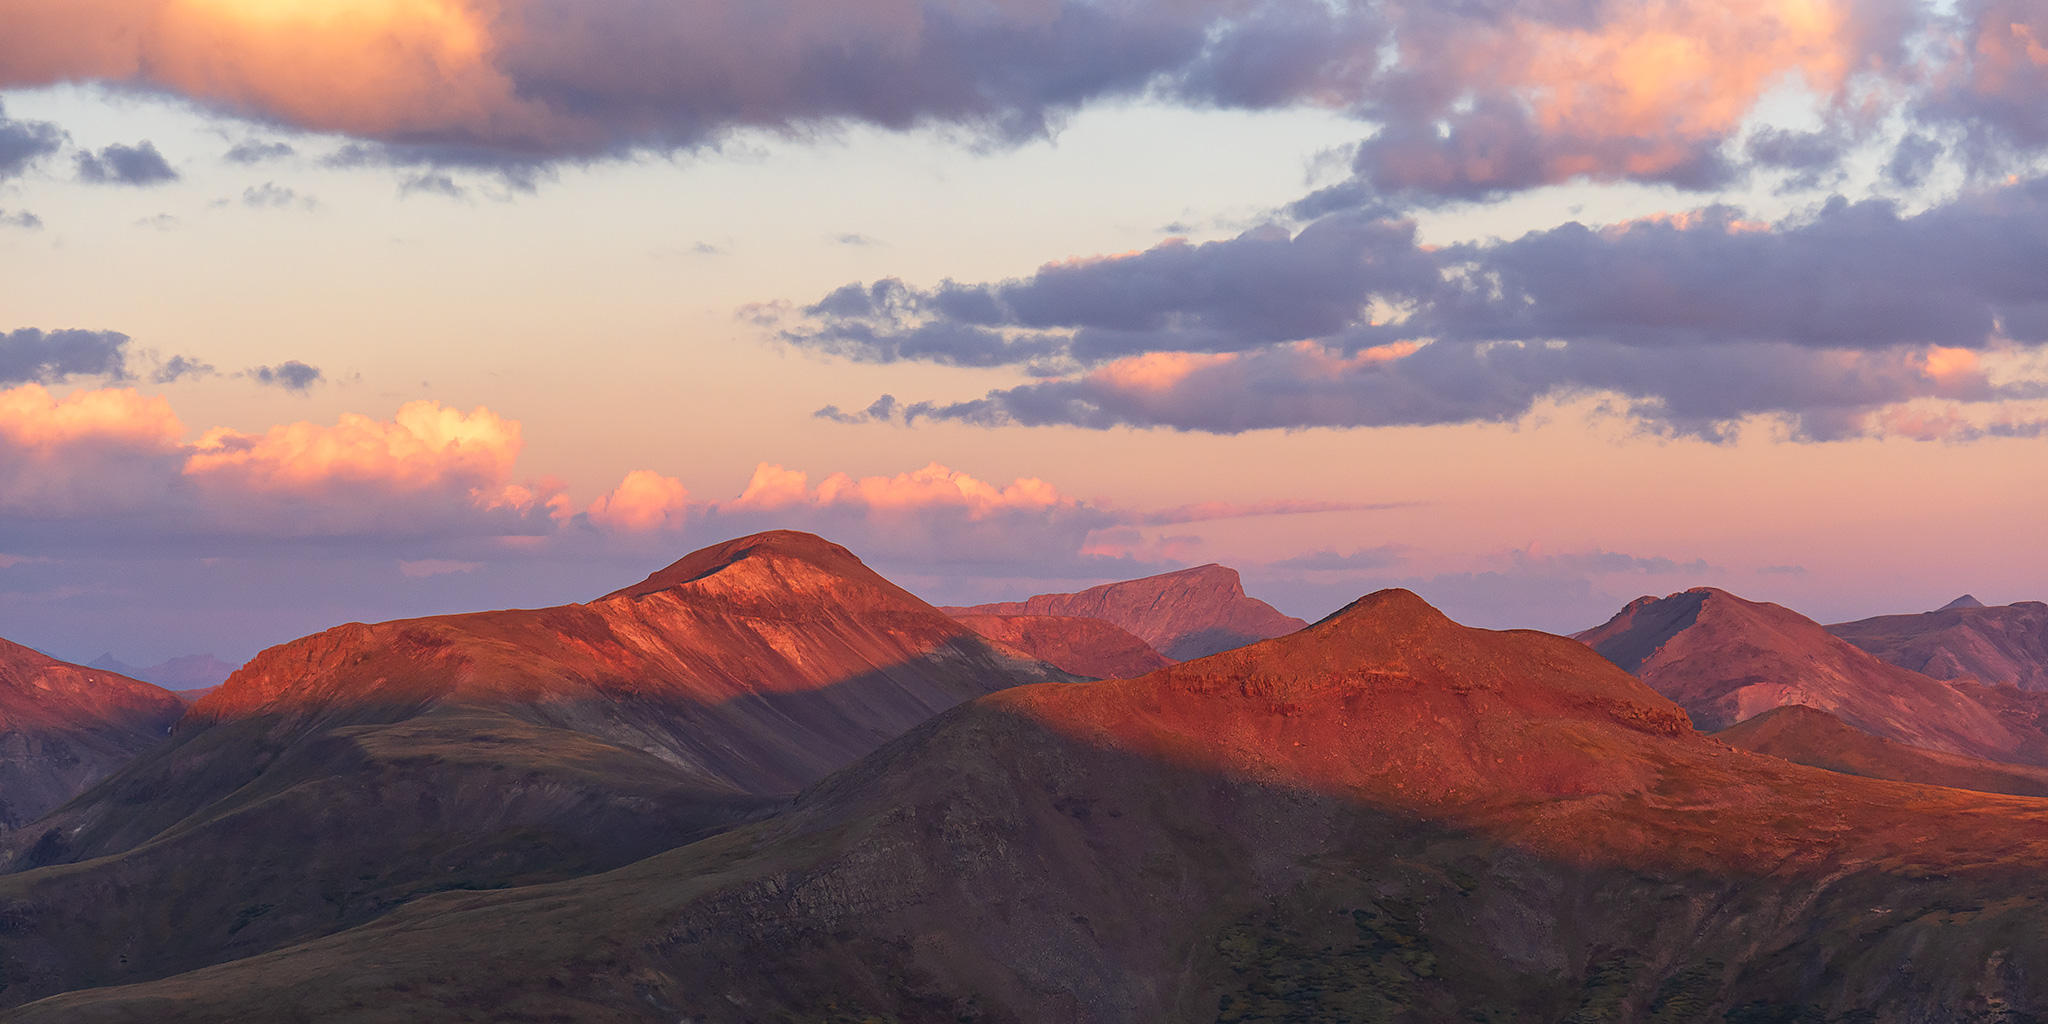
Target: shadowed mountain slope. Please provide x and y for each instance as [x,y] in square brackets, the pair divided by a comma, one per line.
[1188,614]
[1810,736]
[1725,659]
[64,727]
[2006,644]
[342,774]
[1094,648]
[1384,817]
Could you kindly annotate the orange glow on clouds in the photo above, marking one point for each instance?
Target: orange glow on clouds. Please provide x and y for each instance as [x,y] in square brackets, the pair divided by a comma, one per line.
[426,446]
[774,487]
[372,67]
[32,418]
[643,501]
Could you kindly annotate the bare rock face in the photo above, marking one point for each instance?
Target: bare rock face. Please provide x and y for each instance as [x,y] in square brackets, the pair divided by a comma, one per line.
[1810,736]
[64,727]
[2002,645]
[1094,648]
[1726,660]
[1184,615]
[1384,817]
[337,776]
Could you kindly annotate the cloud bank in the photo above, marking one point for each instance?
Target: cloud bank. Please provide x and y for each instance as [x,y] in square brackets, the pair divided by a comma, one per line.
[1845,322]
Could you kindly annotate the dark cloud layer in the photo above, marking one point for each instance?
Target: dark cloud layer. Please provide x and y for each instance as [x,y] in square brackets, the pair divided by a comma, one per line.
[1454,100]
[120,164]
[1697,321]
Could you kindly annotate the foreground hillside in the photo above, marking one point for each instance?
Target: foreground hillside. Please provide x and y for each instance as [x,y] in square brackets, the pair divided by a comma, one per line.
[1188,614]
[343,774]
[1385,817]
[64,727]
[2004,644]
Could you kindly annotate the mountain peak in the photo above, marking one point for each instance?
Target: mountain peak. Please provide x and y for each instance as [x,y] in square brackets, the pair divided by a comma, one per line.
[771,545]
[1965,601]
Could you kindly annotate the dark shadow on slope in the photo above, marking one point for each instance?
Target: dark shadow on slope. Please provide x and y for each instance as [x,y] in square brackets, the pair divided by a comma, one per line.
[988,867]
[247,835]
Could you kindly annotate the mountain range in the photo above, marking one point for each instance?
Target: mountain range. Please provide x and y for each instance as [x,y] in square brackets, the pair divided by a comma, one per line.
[1386,816]
[766,784]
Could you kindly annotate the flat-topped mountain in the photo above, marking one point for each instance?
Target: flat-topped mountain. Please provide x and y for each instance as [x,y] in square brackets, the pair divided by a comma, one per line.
[64,727]
[2005,644]
[1384,817]
[1188,614]
[337,776]
[1725,660]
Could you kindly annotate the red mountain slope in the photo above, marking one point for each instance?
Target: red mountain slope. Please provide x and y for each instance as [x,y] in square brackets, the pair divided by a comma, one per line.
[340,775]
[1184,615]
[1725,659]
[64,727]
[1810,736]
[761,663]
[1384,817]
[1094,648]
[2006,644]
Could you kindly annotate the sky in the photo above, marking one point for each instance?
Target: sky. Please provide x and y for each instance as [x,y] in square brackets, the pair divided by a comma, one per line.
[315,311]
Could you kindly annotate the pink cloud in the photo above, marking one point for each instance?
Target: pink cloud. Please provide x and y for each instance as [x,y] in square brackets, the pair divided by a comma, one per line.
[643,501]
[426,446]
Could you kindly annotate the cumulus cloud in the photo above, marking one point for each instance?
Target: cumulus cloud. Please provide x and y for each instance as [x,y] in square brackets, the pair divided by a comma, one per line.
[1834,321]
[120,164]
[113,463]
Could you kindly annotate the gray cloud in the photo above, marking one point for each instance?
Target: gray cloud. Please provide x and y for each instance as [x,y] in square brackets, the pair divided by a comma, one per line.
[179,368]
[271,195]
[24,142]
[253,151]
[121,164]
[20,219]
[290,375]
[1696,323]
[29,355]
